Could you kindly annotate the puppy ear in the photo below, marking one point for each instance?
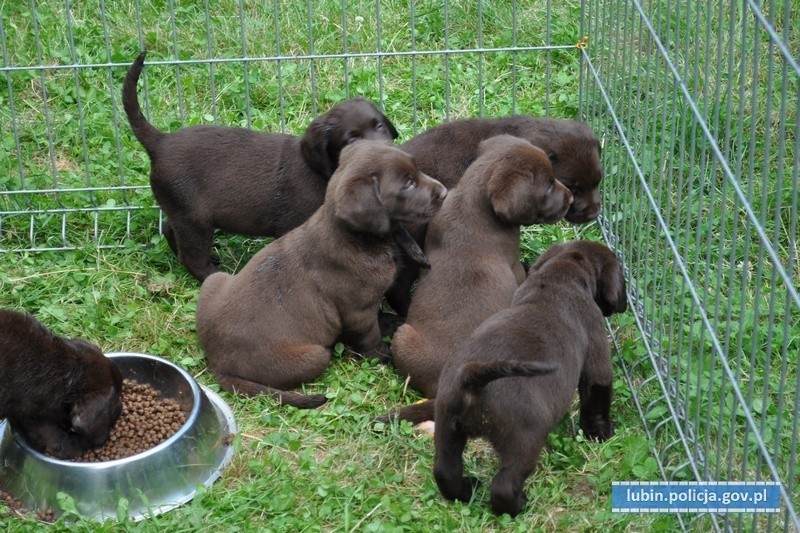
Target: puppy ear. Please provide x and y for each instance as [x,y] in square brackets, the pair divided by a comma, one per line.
[92,416]
[610,295]
[314,147]
[511,195]
[359,206]
[389,126]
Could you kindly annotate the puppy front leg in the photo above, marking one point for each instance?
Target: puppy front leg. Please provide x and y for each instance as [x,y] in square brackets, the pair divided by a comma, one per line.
[594,390]
[364,337]
[448,463]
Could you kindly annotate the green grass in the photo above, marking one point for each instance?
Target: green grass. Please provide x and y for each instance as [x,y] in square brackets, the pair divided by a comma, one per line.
[326,469]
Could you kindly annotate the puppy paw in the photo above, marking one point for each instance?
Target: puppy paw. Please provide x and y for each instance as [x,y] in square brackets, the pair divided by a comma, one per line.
[468,486]
[428,427]
[599,430]
[388,323]
[455,488]
[511,505]
[381,353]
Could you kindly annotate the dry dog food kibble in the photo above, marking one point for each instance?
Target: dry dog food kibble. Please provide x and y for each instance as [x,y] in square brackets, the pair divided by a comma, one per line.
[145,421]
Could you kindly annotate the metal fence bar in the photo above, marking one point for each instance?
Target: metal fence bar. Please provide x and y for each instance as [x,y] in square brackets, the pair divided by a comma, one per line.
[299,57]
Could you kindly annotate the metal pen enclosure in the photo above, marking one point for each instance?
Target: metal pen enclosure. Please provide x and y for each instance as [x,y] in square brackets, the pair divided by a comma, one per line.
[695,104]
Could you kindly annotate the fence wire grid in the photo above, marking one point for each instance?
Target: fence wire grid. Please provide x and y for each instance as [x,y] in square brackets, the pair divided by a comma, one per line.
[695,103]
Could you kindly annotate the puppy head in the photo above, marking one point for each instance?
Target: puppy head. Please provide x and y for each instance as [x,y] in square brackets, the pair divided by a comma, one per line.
[574,152]
[94,397]
[521,186]
[345,123]
[603,268]
[51,438]
[377,184]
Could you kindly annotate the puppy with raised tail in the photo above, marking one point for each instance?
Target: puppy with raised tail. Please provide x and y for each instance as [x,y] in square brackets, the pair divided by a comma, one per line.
[62,395]
[239,180]
[270,327]
[473,247]
[554,330]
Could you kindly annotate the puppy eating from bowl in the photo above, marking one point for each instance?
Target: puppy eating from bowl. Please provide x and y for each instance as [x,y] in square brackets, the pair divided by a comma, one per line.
[516,376]
[473,245]
[62,395]
[243,181]
[270,327]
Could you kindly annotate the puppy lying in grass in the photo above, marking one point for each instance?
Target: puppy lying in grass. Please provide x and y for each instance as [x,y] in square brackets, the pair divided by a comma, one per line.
[270,327]
[62,395]
[554,330]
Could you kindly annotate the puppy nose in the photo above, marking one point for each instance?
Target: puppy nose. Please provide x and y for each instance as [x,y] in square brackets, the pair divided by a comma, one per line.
[441,194]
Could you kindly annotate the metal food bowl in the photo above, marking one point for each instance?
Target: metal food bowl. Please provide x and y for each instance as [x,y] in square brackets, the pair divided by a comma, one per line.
[154,481]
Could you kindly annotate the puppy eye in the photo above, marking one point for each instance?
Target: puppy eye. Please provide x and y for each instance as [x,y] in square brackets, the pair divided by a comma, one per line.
[351,140]
[550,188]
[410,183]
[379,126]
[552,156]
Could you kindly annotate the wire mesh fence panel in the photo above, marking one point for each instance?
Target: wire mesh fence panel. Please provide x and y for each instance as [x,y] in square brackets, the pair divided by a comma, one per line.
[698,106]
[71,173]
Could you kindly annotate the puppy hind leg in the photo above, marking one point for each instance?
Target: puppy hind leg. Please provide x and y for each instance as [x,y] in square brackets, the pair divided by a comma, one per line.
[517,461]
[193,241]
[448,465]
[595,390]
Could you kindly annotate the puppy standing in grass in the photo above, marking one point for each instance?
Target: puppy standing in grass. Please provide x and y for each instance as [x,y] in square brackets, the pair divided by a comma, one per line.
[62,395]
[553,329]
[473,246]
[446,151]
[239,180]
[271,326]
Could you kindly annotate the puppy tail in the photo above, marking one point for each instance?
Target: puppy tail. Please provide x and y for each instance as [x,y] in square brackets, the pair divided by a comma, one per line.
[301,401]
[415,413]
[250,388]
[475,375]
[145,132]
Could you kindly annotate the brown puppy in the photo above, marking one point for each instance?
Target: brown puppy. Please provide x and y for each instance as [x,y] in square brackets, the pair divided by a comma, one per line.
[62,395]
[446,151]
[239,180]
[270,327]
[473,247]
[554,324]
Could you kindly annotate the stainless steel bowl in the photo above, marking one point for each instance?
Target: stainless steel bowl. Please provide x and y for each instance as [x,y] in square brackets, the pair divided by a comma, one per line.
[154,481]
